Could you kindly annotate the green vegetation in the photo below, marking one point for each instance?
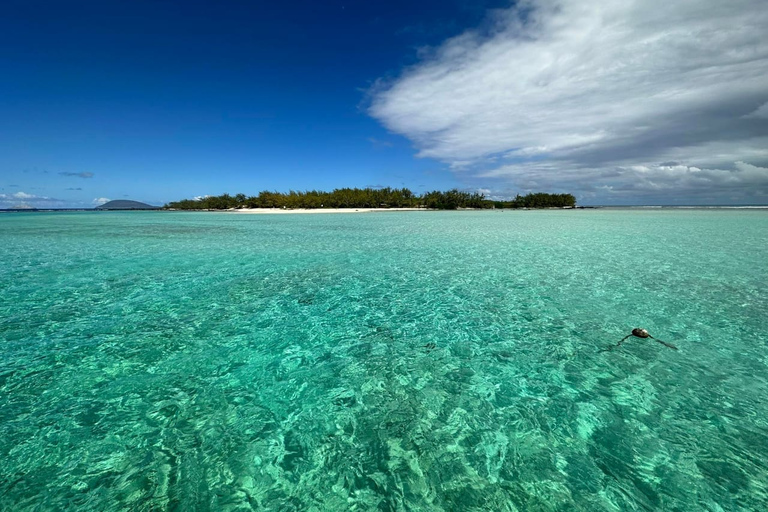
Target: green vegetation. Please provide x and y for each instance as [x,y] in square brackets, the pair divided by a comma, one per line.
[371,198]
[538,200]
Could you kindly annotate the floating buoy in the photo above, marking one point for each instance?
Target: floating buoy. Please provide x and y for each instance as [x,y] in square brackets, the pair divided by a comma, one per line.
[639,333]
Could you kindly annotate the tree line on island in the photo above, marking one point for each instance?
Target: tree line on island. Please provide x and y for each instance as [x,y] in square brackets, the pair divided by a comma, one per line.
[371,198]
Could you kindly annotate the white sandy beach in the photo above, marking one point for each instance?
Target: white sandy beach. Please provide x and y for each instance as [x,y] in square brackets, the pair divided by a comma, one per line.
[280,211]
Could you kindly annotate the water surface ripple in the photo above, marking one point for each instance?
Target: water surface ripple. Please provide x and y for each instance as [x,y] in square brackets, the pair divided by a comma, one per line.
[419,361]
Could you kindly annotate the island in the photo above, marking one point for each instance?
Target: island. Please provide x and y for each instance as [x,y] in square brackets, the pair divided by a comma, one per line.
[371,198]
[124,204]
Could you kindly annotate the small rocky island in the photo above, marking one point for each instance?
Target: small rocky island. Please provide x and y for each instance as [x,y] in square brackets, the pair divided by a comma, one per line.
[124,204]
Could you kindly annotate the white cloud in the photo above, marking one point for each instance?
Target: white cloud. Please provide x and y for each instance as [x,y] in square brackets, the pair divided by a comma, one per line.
[101,200]
[24,195]
[24,200]
[639,184]
[587,92]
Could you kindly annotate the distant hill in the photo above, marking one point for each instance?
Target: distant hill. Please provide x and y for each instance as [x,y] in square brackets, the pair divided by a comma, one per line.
[124,204]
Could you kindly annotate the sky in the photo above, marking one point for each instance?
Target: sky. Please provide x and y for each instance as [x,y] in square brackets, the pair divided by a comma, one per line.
[615,101]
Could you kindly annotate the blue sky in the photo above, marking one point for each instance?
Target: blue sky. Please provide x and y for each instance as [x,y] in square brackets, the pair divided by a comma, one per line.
[618,102]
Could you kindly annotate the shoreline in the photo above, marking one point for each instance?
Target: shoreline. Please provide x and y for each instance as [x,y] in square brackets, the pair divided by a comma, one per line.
[280,211]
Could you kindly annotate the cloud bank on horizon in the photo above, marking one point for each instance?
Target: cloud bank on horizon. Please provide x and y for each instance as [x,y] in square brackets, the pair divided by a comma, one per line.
[22,200]
[617,101]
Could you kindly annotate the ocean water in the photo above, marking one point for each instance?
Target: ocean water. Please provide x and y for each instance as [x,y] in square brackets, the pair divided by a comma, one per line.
[419,361]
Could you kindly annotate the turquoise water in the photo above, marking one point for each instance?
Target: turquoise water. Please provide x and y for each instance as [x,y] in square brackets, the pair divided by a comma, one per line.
[418,361]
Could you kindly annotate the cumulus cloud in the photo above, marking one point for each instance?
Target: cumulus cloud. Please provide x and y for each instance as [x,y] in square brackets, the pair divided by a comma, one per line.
[78,174]
[24,195]
[101,200]
[594,97]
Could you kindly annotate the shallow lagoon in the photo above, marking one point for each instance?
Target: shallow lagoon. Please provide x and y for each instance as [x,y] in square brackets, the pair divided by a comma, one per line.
[384,361]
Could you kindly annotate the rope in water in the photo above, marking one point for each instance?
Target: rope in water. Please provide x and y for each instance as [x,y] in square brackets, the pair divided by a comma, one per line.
[639,333]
